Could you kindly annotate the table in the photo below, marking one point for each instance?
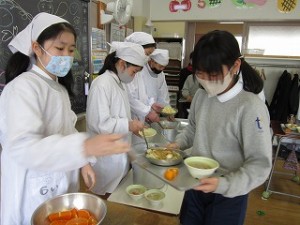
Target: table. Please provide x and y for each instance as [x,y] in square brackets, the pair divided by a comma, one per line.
[282,137]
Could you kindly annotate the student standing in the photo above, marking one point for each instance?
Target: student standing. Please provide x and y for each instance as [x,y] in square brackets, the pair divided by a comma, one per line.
[143,39]
[229,123]
[190,87]
[148,92]
[42,151]
[108,110]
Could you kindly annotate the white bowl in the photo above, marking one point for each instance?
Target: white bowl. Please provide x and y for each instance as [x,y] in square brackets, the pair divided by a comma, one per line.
[200,167]
[154,196]
[149,132]
[136,191]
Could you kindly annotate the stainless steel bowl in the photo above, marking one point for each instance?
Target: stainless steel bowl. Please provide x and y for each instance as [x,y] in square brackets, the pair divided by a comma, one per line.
[166,162]
[68,201]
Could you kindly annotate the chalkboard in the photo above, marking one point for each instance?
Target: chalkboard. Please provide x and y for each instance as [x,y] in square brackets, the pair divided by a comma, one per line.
[15,15]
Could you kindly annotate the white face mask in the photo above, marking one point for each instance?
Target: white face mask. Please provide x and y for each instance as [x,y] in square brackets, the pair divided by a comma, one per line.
[214,88]
[124,76]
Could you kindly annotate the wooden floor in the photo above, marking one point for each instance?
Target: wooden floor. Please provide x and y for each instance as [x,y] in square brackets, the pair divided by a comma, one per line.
[278,209]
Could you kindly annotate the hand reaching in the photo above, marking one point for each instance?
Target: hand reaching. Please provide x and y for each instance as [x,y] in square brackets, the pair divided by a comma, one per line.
[152,117]
[135,126]
[157,107]
[105,144]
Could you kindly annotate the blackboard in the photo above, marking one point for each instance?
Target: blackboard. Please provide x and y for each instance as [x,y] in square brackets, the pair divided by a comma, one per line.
[15,15]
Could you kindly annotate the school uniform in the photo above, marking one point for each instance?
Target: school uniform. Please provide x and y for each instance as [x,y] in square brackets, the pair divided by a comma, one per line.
[232,128]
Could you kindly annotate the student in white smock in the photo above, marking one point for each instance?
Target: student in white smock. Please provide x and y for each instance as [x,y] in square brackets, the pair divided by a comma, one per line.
[108,110]
[42,151]
[144,39]
[150,87]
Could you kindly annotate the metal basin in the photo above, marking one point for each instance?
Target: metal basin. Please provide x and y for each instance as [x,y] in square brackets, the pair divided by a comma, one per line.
[64,202]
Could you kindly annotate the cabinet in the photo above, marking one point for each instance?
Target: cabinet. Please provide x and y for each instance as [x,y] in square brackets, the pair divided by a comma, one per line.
[176,54]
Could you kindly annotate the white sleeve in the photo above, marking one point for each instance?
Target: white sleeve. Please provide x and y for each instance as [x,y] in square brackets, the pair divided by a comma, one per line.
[99,117]
[137,106]
[26,140]
[163,97]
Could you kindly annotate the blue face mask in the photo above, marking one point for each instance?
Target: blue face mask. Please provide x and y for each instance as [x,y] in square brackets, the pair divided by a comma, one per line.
[58,65]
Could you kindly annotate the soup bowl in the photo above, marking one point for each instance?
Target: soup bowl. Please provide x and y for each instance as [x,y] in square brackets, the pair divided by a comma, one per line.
[201,167]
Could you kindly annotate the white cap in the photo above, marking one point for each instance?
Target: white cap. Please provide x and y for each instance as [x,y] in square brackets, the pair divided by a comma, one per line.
[161,56]
[22,42]
[140,38]
[130,52]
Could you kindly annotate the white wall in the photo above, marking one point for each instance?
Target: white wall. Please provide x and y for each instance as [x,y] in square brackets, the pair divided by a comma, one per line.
[159,10]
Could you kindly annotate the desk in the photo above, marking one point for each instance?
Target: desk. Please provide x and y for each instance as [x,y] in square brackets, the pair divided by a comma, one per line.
[282,138]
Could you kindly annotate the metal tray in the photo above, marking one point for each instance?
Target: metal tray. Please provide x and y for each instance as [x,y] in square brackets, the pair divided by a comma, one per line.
[184,181]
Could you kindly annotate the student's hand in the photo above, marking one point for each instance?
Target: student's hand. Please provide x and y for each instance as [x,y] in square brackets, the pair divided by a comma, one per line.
[105,144]
[173,145]
[89,176]
[157,107]
[189,98]
[152,117]
[208,184]
[171,118]
[135,126]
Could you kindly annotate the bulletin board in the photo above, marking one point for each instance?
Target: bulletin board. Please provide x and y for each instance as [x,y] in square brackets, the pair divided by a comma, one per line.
[17,14]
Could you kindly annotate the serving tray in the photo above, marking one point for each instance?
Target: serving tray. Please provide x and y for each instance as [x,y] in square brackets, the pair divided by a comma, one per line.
[182,182]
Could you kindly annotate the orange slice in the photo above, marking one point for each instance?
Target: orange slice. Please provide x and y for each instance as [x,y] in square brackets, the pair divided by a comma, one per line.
[78,221]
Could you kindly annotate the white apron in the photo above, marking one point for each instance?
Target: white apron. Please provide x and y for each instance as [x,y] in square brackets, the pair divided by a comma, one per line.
[108,111]
[38,138]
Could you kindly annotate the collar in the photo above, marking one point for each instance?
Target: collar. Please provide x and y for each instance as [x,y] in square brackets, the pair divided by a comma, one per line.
[117,79]
[41,72]
[237,88]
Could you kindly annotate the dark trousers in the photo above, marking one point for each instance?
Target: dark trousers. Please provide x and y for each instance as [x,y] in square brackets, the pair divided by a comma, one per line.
[199,208]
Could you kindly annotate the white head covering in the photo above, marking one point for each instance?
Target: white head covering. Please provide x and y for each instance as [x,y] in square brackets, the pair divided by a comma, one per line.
[22,42]
[140,38]
[129,52]
[161,56]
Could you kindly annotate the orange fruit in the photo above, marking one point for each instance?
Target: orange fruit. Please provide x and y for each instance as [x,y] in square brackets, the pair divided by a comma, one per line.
[171,173]
[74,212]
[78,221]
[59,222]
[83,213]
[92,220]
[63,215]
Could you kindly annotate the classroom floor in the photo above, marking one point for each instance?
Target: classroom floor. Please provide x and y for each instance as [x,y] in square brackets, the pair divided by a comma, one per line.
[278,209]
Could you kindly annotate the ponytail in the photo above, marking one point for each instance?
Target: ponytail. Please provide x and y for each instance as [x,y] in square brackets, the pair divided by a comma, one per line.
[17,64]
[110,63]
[251,79]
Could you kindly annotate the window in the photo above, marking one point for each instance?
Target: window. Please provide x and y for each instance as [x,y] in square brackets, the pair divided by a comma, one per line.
[272,39]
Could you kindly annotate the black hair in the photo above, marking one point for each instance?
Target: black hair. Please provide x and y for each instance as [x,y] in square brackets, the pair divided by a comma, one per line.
[110,63]
[19,63]
[152,45]
[218,48]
